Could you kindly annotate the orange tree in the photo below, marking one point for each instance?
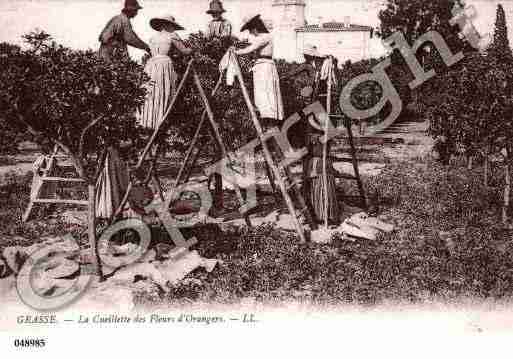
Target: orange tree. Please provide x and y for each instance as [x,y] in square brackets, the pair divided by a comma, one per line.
[473,114]
[470,106]
[70,99]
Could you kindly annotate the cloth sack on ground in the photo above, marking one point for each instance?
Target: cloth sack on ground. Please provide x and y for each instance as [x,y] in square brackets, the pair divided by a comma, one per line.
[227,63]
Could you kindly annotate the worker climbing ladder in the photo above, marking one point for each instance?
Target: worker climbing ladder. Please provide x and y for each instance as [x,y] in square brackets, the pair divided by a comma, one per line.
[281,174]
[296,206]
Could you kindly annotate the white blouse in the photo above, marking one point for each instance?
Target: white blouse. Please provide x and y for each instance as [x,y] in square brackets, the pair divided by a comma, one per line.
[262,44]
[164,42]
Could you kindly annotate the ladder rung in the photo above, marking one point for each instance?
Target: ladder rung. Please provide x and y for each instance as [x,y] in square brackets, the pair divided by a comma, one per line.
[60,201]
[292,184]
[341,159]
[346,176]
[303,210]
[62,179]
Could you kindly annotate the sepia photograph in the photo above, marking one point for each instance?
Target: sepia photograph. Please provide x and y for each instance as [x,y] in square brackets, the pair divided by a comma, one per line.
[256,177]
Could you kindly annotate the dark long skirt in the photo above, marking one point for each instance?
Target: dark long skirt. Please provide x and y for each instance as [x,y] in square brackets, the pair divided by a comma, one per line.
[314,194]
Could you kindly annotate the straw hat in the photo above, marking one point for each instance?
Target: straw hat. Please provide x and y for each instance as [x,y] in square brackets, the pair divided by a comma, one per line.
[157,22]
[312,50]
[132,5]
[215,7]
[250,21]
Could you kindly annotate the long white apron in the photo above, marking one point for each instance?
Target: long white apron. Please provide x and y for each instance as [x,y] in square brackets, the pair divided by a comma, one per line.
[266,83]
[161,88]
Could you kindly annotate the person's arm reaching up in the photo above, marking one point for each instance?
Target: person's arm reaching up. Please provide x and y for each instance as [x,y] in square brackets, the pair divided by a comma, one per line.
[131,37]
[258,43]
[180,46]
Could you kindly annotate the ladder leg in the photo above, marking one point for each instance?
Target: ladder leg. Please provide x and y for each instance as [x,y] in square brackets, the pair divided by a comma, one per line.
[158,186]
[188,172]
[28,212]
[151,141]
[269,175]
[214,129]
[152,170]
[355,166]
[194,141]
[189,152]
[268,158]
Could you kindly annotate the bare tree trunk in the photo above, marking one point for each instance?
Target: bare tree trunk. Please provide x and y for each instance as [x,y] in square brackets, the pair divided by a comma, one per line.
[218,191]
[486,170]
[507,189]
[91,213]
[470,162]
[91,229]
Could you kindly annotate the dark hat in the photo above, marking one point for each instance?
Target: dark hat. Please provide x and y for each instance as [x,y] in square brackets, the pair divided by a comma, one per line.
[215,7]
[250,22]
[157,22]
[132,5]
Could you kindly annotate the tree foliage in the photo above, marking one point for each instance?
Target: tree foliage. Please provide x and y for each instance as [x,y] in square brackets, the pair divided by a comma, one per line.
[473,103]
[416,17]
[70,98]
[499,49]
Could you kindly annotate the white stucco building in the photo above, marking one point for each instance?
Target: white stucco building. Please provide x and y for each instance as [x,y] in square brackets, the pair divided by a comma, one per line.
[344,40]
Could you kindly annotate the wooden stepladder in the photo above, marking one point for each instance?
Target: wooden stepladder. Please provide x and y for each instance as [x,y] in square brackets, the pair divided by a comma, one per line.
[296,204]
[281,174]
[191,156]
[44,182]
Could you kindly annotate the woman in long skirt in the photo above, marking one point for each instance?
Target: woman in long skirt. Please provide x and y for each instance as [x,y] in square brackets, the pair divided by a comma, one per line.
[266,82]
[160,69]
[114,179]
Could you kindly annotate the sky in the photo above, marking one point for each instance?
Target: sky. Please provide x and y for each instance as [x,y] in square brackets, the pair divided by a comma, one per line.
[77,23]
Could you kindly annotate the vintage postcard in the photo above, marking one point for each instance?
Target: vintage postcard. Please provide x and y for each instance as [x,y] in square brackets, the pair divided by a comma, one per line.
[256,177]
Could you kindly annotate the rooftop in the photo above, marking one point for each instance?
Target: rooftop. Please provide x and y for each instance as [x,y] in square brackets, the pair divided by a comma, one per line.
[333,26]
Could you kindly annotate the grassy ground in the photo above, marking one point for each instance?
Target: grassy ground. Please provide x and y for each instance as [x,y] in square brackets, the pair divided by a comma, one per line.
[449,244]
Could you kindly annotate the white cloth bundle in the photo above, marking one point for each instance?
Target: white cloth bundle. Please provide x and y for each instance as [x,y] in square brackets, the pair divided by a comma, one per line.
[328,69]
[227,63]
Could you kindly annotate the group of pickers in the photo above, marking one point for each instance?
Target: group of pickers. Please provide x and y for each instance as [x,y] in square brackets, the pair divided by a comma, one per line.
[118,33]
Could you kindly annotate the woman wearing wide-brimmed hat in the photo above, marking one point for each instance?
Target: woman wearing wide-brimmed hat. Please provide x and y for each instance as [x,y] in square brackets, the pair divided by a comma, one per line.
[309,74]
[218,27]
[118,33]
[312,67]
[266,82]
[160,69]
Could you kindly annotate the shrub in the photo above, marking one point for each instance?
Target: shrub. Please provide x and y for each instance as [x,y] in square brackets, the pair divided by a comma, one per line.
[70,98]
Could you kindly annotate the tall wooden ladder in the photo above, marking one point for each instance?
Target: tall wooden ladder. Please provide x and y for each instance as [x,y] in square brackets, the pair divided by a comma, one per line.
[191,155]
[289,188]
